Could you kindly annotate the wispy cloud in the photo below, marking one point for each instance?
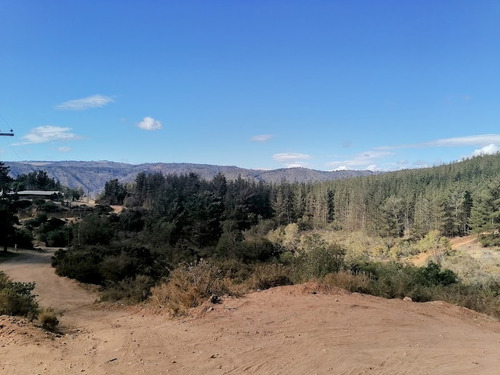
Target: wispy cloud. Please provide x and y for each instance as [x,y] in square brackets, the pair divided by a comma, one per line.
[472,140]
[149,123]
[383,158]
[48,133]
[480,140]
[261,138]
[292,159]
[289,156]
[363,160]
[64,149]
[94,101]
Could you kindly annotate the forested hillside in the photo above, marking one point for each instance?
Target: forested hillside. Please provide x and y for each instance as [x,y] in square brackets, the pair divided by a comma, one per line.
[451,198]
[221,233]
[90,176]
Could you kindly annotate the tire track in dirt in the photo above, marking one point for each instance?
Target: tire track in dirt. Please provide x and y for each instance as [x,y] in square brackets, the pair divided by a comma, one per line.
[290,330]
[65,295]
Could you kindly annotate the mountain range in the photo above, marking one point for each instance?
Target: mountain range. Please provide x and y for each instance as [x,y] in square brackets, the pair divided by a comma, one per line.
[91,176]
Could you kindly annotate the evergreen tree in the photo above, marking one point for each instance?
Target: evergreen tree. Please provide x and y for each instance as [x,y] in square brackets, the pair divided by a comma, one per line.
[7,221]
[485,214]
[330,206]
[114,192]
[391,218]
[5,179]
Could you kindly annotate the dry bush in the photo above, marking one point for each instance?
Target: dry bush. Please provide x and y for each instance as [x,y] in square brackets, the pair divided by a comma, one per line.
[48,318]
[130,290]
[349,281]
[267,276]
[190,286]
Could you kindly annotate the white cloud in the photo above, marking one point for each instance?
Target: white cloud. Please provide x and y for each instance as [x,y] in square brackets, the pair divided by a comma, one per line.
[261,138]
[292,159]
[487,150]
[64,149]
[48,133]
[94,101]
[290,156]
[363,160]
[472,140]
[149,123]
[480,140]
[297,164]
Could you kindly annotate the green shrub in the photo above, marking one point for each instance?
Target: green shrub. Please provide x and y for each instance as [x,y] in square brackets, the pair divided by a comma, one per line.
[115,268]
[267,276]
[81,265]
[235,270]
[58,238]
[484,298]
[23,239]
[320,258]
[433,275]
[490,240]
[255,250]
[16,298]
[21,204]
[49,207]
[349,281]
[131,290]
[36,221]
[395,280]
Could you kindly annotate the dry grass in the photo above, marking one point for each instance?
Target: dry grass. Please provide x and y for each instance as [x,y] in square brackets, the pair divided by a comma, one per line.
[192,285]
[189,287]
[48,318]
[348,281]
[267,276]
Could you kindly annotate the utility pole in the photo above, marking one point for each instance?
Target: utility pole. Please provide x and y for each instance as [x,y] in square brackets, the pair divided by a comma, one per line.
[9,134]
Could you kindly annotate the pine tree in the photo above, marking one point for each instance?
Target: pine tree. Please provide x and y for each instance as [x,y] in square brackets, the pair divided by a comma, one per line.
[485,214]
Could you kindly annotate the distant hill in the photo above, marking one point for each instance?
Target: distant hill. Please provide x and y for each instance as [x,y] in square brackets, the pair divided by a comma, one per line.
[92,175]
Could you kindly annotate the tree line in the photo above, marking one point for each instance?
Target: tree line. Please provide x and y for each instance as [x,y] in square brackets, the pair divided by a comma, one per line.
[454,199]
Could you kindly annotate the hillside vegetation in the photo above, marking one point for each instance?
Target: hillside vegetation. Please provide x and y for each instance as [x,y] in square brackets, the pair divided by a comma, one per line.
[182,239]
[92,175]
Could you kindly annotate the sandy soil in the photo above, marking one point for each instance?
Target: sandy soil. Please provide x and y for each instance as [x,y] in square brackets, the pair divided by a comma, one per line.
[287,330]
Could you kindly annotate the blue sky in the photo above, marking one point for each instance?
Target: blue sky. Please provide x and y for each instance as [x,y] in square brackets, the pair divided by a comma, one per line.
[379,85]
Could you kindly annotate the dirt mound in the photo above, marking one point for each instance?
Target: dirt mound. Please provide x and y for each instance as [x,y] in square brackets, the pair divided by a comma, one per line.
[20,331]
[303,329]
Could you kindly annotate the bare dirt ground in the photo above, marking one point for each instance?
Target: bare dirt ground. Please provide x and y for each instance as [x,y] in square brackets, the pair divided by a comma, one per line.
[287,330]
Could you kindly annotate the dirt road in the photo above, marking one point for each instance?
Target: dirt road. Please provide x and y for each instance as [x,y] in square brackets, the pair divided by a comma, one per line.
[457,243]
[287,330]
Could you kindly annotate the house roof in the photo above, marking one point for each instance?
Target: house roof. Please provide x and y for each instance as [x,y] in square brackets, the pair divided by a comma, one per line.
[39,193]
